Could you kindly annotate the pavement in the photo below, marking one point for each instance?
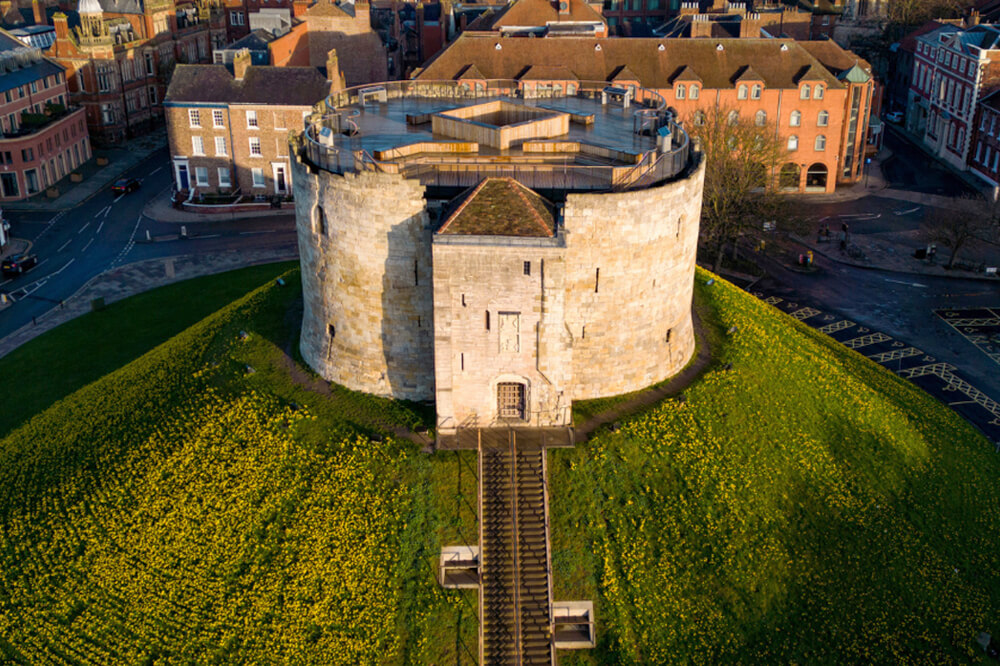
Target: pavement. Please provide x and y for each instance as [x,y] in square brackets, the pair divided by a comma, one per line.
[137,277]
[96,178]
[161,209]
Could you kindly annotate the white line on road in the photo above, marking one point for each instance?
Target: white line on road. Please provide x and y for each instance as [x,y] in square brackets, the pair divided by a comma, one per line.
[87,245]
[83,228]
[907,211]
[63,246]
[106,212]
[63,268]
[908,284]
[99,227]
[41,262]
[154,171]
[118,198]
[210,236]
[6,281]
[103,210]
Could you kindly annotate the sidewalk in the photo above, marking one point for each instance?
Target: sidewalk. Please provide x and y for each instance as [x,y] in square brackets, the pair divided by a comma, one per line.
[161,209]
[95,178]
[15,246]
[131,279]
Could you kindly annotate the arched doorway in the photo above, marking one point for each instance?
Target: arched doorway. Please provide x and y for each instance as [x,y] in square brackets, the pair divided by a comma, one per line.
[757,174]
[816,178]
[788,178]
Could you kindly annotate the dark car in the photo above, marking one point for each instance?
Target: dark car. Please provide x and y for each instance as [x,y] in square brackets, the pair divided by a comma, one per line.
[18,263]
[126,185]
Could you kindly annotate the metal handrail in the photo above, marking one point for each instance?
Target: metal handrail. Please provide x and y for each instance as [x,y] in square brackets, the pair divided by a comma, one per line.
[341,159]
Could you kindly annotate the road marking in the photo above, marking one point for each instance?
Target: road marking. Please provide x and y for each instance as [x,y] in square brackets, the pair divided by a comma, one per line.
[154,171]
[839,326]
[41,262]
[6,281]
[128,246]
[865,340]
[62,269]
[804,313]
[87,245]
[103,210]
[210,236]
[908,284]
[254,233]
[118,198]
[83,228]
[99,227]
[867,216]
[106,212]
[63,246]
[906,212]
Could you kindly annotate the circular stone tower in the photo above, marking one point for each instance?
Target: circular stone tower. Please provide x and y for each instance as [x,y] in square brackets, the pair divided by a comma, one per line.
[496,250]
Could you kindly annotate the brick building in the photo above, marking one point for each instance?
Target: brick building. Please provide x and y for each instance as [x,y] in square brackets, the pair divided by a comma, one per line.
[119,60]
[326,26]
[44,138]
[538,18]
[734,19]
[818,95]
[228,132]
[953,68]
[984,152]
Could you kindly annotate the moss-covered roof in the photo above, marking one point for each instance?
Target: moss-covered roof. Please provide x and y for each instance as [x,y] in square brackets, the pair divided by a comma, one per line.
[500,207]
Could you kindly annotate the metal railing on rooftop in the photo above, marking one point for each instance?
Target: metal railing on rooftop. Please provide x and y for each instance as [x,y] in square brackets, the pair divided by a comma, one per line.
[327,139]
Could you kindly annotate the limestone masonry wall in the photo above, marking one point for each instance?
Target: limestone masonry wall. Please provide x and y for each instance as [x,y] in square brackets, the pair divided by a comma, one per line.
[366,281]
[630,261]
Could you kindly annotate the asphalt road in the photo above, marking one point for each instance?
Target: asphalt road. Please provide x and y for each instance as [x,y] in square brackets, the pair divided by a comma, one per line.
[108,231]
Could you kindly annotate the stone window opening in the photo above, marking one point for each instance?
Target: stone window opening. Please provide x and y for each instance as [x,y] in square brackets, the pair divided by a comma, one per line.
[320,221]
[416,273]
[462,361]
[331,330]
[669,331]
[487,320]
[679,220]
[463,300]
[527,268]
[583,332]
[597,280]
[418,321]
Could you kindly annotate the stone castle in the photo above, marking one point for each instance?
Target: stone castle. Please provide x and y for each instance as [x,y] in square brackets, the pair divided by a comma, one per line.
[500,250]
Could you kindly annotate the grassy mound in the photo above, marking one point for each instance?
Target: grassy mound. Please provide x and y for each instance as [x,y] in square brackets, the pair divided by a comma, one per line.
[188,509]
[211,502]
[805,506]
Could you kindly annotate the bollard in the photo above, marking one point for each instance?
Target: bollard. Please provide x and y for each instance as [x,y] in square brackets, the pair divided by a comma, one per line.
[184,231]
[148,237]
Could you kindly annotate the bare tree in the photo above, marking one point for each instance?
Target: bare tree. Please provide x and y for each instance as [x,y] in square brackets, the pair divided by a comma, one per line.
[968,218]
[742,157]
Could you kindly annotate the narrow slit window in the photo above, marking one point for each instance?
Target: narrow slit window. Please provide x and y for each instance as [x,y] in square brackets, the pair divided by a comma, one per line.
[487,320]
[597,280]
[669,331]
[527,268]
[463,300]
[463,361]
[416,273]
[583,332]
[320,221]
[331,329]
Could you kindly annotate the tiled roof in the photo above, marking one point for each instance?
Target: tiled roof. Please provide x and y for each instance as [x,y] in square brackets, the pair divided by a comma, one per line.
[778,67]
[291,86]
[909,42]
[32,71]
[686,74]
[834,57]
[535,13]
[500,207]
[548,73]
[327,8]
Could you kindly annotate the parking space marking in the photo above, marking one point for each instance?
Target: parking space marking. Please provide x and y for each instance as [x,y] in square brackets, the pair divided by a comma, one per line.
[980,326]
[865,340]
[804,313]
[837,326]
[895,355]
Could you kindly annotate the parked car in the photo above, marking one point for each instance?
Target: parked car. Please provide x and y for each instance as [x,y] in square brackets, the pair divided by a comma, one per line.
[18,263]
[894,117]
[126,185]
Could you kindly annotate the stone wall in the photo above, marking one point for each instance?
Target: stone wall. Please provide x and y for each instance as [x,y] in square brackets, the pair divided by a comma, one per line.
[498,317]
[630,260]
[366,281]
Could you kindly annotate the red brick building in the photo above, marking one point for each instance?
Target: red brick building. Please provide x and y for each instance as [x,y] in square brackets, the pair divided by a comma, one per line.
[44,138]
[228,132]
[818,95]
[119,60]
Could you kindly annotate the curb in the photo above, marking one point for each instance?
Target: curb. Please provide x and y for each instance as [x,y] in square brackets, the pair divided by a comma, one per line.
[855,264]
[103,274]
[212,217]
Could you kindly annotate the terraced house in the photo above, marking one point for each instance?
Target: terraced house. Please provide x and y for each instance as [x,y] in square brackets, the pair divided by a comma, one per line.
[43,138]
[119,59]
[228,131]
[817,95]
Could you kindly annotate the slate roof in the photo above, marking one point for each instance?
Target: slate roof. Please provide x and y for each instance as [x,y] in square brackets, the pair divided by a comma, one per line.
[122,6]
[290,86]
[500,207]
[40,68]
[255,41]
[832,56]
[654,68]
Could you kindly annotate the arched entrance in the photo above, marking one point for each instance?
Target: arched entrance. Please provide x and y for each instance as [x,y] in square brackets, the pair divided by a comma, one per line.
[757,174]
[788,178]
[816,178]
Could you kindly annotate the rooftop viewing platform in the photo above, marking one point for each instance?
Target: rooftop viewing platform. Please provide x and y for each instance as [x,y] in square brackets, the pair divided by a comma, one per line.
[587,136]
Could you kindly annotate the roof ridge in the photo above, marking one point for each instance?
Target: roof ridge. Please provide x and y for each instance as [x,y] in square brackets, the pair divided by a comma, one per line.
[465,202]
[534,212]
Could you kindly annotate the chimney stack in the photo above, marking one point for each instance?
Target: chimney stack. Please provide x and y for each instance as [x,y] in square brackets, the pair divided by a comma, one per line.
[241,63]
[61,23]
[299,7]
[333,73]
[39,11]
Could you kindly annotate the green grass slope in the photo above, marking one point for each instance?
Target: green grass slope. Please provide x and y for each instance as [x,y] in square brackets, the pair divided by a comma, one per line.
[806,506]
[186,510]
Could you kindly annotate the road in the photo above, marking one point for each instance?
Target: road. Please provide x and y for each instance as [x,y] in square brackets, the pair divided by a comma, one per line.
[108,231]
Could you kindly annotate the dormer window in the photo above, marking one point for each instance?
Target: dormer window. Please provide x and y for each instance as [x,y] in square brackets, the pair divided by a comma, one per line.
[694,91]
[741,91]
[679,92]
[756,91]
[818,92]
[804,91]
